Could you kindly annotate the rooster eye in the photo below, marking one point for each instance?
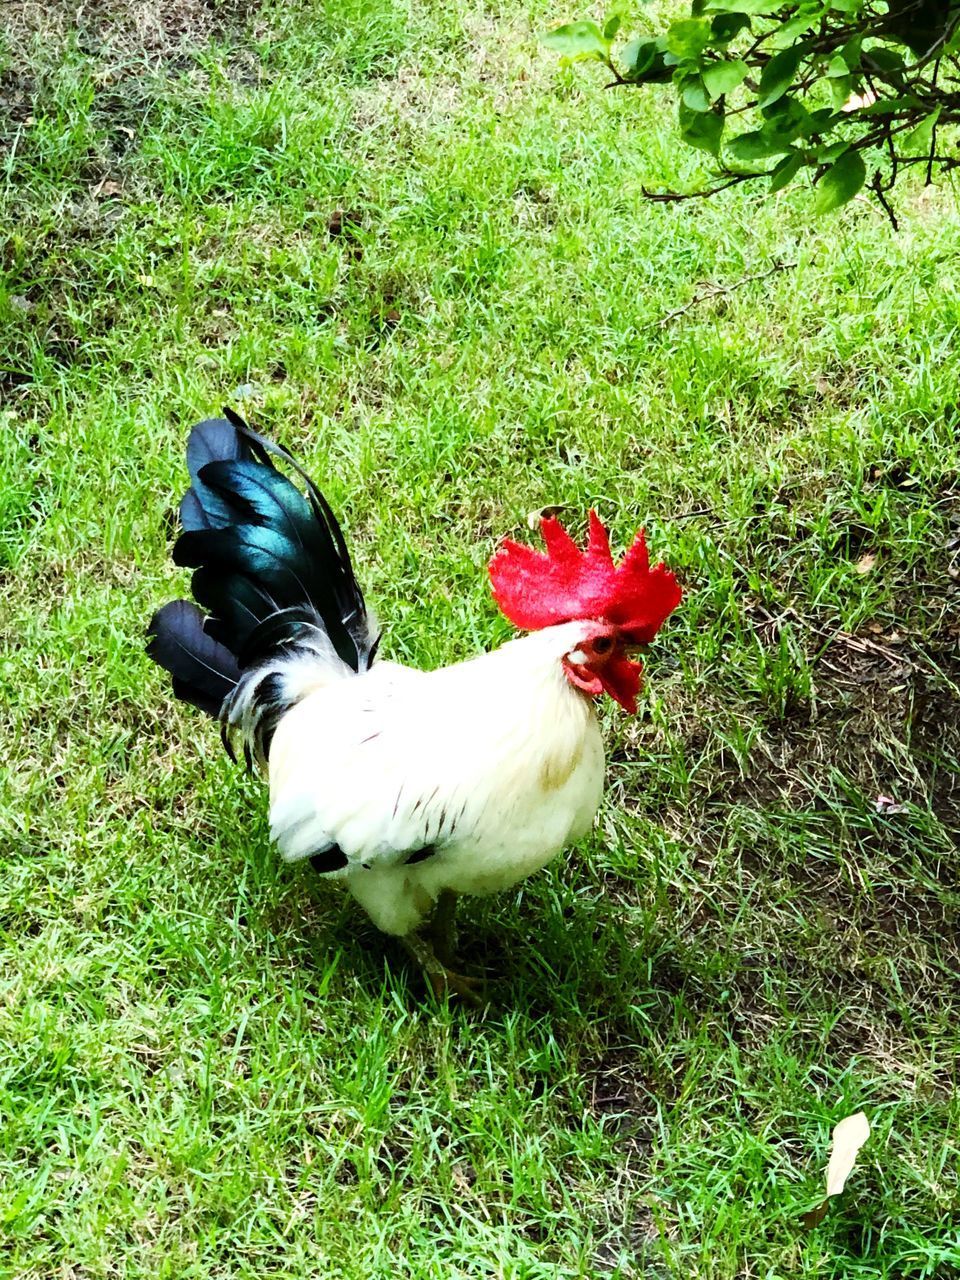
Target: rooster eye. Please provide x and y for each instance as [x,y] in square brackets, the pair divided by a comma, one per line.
[602,644]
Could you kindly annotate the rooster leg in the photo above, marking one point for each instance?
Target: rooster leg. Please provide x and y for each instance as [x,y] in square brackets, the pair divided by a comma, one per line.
[443,981]
[443,927]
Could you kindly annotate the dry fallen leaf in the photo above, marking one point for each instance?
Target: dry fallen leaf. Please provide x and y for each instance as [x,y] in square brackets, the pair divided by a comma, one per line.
[866,562]
[848,1137]
[887,804]
[815,1216]
[544,513]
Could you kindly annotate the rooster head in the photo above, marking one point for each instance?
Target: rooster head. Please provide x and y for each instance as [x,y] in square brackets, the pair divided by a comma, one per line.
[623,606]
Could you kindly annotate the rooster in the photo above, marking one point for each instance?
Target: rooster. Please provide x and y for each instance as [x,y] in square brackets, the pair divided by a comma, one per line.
[408,787]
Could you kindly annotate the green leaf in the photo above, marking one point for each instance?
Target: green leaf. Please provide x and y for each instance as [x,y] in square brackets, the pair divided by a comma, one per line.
[777,75]
[637,55]
[643,62]
[840,183]
[919,140]
[693,94]
[723,77]
[577,40]
[746,6]
[832,151]
[689,37]
[611,26]
[851,51]
[758,145]
[885,58]
[726,26]
[787,34]
[790,118]
[837,66]
[785,171]
[841,87]
[702,129]
[888,106]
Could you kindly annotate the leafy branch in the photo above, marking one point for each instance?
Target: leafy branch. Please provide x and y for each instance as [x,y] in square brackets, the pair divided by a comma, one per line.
[828,87]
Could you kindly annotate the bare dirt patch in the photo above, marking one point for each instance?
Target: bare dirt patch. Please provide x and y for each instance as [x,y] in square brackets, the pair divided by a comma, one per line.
[121,39]
[152,29]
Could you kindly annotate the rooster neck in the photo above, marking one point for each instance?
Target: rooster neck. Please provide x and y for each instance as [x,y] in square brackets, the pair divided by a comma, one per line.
[522,689]
[539,654]
[536,661]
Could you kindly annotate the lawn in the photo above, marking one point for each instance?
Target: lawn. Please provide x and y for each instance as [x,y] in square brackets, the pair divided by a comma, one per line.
[403,241]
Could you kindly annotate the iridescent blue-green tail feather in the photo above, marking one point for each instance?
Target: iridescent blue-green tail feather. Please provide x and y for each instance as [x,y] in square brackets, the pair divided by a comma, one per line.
[272,576]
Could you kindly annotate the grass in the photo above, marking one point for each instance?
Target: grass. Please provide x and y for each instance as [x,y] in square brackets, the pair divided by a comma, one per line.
[211,1065]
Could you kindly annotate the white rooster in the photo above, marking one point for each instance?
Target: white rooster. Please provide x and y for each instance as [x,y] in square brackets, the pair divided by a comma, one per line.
[410,787]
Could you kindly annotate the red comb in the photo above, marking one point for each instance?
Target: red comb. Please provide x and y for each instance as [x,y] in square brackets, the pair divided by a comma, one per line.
[537,589]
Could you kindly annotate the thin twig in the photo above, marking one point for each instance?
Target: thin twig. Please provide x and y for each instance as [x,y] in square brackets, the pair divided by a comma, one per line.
[618,79]
[674,197]
[860,645]
[715,291]
[876,186]
[933,131]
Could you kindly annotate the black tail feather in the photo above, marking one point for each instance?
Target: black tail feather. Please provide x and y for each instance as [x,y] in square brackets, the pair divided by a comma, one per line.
[213,440]
[272,569]
[204,671]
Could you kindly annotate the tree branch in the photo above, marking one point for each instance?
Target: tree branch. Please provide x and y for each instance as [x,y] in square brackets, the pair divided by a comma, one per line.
[906,84]
[675,197]
[876,186]
[715,291]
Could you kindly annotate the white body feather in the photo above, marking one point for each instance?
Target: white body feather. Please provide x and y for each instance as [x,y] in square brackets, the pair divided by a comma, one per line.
[497,763]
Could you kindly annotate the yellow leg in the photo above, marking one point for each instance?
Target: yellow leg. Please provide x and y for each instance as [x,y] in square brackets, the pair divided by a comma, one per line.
[443,927]
[443,981]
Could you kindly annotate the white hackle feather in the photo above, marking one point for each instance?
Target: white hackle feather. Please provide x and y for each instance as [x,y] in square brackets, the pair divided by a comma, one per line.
[268,691]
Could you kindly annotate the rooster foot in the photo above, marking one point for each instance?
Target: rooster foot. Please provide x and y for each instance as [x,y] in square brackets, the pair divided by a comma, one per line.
[447,982]
[443,981]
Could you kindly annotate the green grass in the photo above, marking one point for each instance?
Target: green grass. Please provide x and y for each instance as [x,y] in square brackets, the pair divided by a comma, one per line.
[211,1065]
